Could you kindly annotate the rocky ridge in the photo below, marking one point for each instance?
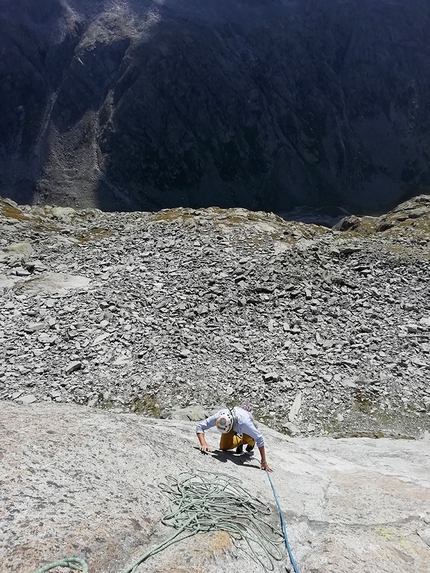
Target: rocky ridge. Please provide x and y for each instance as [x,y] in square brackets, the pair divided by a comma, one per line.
[263,104]
[323,330]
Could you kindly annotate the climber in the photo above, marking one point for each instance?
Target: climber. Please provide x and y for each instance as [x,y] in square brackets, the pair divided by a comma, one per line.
[237,428]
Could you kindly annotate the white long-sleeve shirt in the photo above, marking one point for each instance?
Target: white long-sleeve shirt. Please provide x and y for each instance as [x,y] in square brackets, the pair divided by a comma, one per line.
[244,424]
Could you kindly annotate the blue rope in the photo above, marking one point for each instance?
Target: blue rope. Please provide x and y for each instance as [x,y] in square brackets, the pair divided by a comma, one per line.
[284,527]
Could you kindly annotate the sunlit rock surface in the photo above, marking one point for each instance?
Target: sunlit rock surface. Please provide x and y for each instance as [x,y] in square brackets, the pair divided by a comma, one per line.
[76,482]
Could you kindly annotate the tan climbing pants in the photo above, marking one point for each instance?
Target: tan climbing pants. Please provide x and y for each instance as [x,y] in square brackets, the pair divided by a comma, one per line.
[230,441]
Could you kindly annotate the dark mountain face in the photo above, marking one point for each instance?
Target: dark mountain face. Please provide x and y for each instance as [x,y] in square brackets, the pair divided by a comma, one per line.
[265,104]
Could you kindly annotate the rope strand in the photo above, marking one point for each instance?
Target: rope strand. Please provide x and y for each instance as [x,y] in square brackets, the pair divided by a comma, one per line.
[284,527]
[209,502]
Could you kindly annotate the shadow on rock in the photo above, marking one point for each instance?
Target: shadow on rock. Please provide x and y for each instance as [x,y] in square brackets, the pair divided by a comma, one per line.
[239,460]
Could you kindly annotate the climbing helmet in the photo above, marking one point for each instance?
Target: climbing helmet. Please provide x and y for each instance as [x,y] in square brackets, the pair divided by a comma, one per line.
[225,421]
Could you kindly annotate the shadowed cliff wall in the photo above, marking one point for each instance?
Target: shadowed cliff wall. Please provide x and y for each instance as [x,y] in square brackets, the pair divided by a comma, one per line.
[264,104]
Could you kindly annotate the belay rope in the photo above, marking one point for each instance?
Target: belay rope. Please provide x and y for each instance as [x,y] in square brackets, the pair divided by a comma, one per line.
[211,502]
[284,527]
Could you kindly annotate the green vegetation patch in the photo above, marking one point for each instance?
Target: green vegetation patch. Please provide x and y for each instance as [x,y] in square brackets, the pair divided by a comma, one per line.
[43,226]
[12,212]
[146,405]
[94,234]
[419,224]
[171,216]
[368,419]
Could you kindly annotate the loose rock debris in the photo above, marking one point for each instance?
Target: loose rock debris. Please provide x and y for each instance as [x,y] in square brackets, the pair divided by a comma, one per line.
[323,331]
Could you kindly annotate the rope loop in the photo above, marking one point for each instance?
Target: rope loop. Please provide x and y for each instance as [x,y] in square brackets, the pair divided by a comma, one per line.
[203,502]
[75,563]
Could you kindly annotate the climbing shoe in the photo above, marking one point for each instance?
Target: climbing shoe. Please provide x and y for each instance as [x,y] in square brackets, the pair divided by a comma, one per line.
[250,450]
[239,449]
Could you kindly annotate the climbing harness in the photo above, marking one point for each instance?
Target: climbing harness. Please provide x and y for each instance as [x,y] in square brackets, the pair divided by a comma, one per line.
[209,502]
[284,527]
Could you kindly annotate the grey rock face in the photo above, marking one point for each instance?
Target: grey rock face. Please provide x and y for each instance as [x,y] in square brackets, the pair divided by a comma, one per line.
[263,104]
[29,399]
[425,535]
[63,467]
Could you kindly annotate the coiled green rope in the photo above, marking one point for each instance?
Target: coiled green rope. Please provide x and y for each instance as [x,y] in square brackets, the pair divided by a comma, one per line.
[211,502]
[73,562]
